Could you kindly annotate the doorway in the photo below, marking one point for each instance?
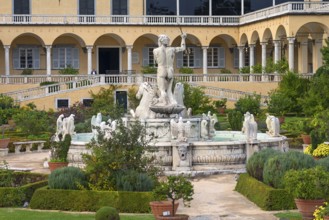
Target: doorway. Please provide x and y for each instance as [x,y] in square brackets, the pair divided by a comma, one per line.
[121,98]
[109,60]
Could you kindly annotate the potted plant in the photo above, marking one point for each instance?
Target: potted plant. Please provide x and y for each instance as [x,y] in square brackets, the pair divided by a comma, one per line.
[309,187]
[279,104]
[305,128]
[58,153]
[322,212]
[175,188]
[221,105]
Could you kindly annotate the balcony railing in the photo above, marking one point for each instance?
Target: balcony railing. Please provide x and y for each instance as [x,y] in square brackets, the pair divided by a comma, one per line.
[285,8]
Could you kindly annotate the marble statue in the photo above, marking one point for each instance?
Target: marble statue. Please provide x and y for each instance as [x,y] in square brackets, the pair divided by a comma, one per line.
[59,128]
[213,120]
[273,125]
[147,95]
[68,125]
[96,121]
[180,130]
[179,97]
[250,127]
[204,129]
[164,55]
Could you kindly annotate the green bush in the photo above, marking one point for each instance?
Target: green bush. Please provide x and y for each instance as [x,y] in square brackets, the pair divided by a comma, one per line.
[249,103]
[56,199]
[27,72]
[132,180]
[67,178]
[277,166]
[45,83]
[185,70]
[6,102]
[149,70]
[255,164]
[324,162]
[235,119]
[107,213]
[266,197]
[245,69]
[225,71]
[69,70]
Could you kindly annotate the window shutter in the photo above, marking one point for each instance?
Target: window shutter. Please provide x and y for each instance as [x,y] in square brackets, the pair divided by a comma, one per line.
[221,57]
[179,59]
[55,58]
[145,56]
[36,58]
[75,58]
[16,58]
[236,58]
[198,57]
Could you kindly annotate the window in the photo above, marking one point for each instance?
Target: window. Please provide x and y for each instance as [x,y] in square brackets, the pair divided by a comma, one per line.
[195,7]
[119,7]
[86,7]
[64,56]
[62,103]
[87,102]
[26,57]
[216,57]
[191,57]
[21,7]
[148,57]
[228,7]
[156,7]
[236,58]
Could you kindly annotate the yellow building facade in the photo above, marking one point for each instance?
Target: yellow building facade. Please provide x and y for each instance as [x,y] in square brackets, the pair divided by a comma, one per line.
[55,34]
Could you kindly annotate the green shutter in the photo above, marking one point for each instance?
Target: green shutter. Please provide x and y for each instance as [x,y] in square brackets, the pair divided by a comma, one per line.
[145,56]
[55,58]
[198,57]
[36,58]
[179,59]
[75,58]
[16,58]
[221,57]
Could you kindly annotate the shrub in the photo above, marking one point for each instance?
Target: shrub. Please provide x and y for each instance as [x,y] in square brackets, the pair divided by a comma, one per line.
[6,102]
[257,68]
[149,70]
[321,151]
[67,178]
[277,166]
[107,213]
[185,70]
[27,72]
[225,71]
[134,181]
[264,196]
[235,119]
[249,103]
[45,83]
[324,162]
[69,70]
[310,183]
[245,69]
[57,199]
[255,164]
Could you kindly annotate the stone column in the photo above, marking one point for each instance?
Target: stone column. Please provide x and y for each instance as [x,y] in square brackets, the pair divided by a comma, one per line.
[90,64]
[48,61]
[7,69]
[317,55]
[291,53]
[303,57]
[241,56]
[205,60]
[129,58]
[242,7]
[263,44]
[277,50]
[251,57]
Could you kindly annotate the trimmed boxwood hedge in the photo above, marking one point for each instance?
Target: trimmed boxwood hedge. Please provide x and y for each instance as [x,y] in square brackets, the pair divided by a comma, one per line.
[16,196]
[88,200]
[264,196]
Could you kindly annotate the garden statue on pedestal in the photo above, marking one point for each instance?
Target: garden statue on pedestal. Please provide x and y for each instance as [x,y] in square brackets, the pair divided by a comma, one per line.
[273,125]
[249,127]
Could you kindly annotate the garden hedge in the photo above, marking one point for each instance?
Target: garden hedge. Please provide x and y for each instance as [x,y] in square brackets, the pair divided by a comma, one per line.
[88,200]
[264,196]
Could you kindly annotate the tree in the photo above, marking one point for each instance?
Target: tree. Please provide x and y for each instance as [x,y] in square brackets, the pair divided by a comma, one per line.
[249,103]
[195,98]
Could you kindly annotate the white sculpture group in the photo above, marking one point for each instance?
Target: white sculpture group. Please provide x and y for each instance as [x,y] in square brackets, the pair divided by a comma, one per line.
[107,128]
[249,127]
[208,125]
[64,126]
[273,125]
[180,131]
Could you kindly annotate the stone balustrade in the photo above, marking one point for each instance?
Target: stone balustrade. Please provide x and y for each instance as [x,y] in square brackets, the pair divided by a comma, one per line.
[28,146]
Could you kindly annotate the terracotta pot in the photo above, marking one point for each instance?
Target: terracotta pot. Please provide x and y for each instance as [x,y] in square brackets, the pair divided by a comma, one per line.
[4,142]
[158,207]
[282,119]
[326,217]
[307,207]
[56,165]
[176,217]
[306,138]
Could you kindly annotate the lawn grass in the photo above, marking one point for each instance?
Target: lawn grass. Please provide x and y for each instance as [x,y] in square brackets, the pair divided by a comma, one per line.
[289,215]
[19,214]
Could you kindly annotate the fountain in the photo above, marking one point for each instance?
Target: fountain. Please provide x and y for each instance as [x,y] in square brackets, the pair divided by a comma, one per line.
[187,143]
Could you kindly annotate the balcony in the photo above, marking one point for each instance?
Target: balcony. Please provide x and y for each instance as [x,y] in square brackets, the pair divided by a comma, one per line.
[278,10]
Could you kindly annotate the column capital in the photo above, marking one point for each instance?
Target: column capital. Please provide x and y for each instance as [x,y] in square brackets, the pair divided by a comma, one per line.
[88,47]
[129,47]
[276,42]
[6,46]
[204,47]
[252,45]
[263,43]
[48,47]
[291,40]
